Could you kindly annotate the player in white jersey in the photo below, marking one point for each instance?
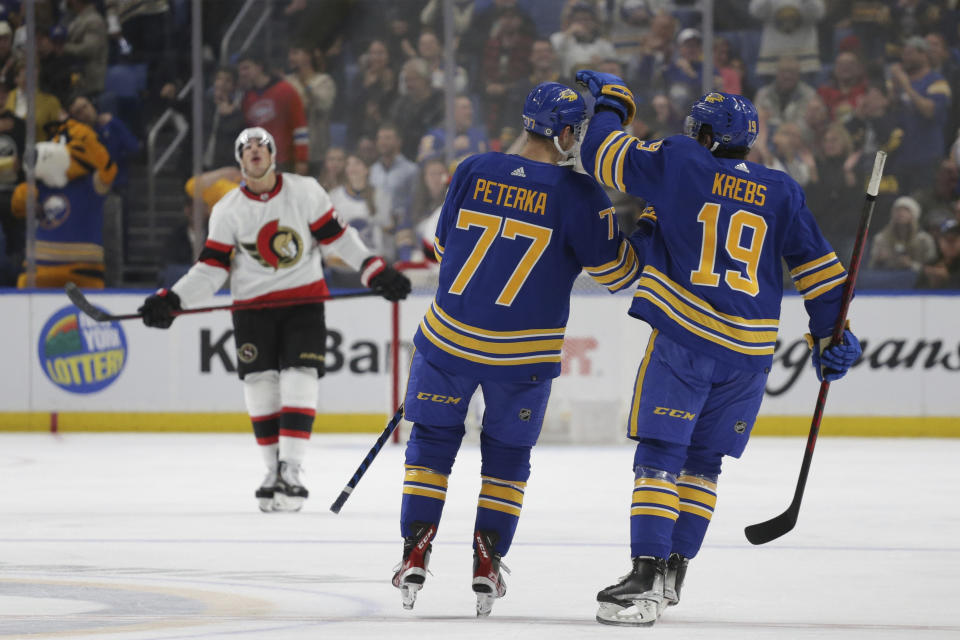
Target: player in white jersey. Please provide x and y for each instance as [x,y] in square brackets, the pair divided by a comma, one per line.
[269,235]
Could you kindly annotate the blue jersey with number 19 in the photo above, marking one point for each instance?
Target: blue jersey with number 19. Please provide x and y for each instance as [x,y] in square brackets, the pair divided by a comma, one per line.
[713,279]
[512,237]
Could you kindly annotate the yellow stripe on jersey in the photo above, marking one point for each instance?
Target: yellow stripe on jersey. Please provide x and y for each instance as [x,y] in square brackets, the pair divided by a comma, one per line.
[472,357]
[704,320]
[633,427]
[623,269]
[497,335]
[698,496]
[816,277]
[68,251]
[607,173]
[505,496]
[655,497]
[422,481]
[486,346]
[438,249]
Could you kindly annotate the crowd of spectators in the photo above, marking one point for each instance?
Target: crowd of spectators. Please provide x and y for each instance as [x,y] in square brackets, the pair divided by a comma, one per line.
[354,92]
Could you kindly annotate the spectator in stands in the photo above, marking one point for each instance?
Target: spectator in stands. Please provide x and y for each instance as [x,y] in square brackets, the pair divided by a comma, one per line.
[581,41]
[120,142]
[836,188]
[505,68]
[272,103]
[816,119]
[366,149]
[393,173]
[468,137]
[544,65]
[430,50]
[647,71]
[789,29]
[7,58]
[87,42]
[790,154]
[56,67]
[375,91]
[785,99]
[334,163]
[13,131]
[727,66]
[629,26]
[902,244]
[317,92]
[871,125]
[430,190]
[945,61]
[847,84]
[938,197]
[685,70]
[431,16]
[923,101]
[474,39]
[944,271]
[420,110]
[222,120]
[47,107]
[367,208]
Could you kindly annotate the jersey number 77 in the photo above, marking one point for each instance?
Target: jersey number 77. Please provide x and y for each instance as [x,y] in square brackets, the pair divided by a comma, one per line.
[510,229]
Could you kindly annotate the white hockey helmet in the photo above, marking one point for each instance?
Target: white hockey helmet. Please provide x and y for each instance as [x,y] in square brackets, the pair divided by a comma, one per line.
[262,136]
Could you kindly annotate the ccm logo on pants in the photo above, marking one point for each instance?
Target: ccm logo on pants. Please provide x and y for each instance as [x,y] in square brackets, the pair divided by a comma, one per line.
[434,397]
[674,413]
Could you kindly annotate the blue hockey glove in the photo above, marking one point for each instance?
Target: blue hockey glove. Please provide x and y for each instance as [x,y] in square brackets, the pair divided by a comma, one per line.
[157,310]
[610,91]
[831,362]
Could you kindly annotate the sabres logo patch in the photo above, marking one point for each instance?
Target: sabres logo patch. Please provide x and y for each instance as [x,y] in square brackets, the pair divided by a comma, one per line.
[569,95]
[714,97]
[277,247]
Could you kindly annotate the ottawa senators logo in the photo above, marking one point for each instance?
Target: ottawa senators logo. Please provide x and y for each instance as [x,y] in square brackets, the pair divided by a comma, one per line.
[276,246]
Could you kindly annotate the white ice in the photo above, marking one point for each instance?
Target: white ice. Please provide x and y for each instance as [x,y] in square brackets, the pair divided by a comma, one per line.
[157,536]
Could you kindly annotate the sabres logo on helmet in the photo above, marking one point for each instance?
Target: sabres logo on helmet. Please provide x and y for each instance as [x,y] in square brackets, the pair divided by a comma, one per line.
[713,97]
[550,107]
[731,120]
[569,95]
[277,247]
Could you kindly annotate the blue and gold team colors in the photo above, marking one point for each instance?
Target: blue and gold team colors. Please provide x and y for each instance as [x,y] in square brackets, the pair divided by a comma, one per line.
[512,237]
[713,278]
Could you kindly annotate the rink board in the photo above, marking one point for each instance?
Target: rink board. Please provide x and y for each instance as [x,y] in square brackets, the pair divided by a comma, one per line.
[65,372]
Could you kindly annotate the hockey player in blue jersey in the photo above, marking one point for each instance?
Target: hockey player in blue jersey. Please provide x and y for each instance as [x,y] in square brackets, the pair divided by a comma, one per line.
[711,290]
[514,232]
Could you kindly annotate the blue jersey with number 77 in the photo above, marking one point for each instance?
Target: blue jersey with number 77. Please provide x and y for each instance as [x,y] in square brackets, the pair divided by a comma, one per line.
[512,237]
[713,279]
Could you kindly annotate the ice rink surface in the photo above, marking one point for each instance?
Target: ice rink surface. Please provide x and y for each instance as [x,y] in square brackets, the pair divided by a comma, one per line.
[157,536]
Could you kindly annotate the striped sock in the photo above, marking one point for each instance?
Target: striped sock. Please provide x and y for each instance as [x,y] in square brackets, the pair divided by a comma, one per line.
[498,509]
[653,513]
[424,494]
[698,498]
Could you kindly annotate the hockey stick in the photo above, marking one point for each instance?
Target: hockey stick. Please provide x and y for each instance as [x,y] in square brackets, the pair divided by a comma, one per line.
[764,532]
[362,469]
[80,301]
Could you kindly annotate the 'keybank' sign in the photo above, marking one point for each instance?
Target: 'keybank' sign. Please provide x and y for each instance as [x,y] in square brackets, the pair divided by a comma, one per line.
[62,361]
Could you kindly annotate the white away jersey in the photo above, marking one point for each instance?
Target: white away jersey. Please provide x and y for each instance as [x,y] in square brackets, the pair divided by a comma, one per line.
[271,244]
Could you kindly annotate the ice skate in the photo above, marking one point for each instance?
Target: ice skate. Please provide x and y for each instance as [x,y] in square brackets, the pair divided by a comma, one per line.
[265,493]
[411,573]
[290,492]
[673,582]
[488,582]
[637,600]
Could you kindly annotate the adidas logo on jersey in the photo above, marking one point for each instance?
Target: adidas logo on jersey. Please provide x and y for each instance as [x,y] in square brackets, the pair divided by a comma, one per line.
[518,172]
[742,167]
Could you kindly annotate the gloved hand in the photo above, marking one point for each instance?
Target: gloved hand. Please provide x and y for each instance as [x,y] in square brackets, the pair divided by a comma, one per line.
[384,280]
[157,310]
[610,91]
[831,362]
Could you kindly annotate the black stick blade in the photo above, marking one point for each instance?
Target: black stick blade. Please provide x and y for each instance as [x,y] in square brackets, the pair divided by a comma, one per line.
[341,499]
[764,532]
[80,301]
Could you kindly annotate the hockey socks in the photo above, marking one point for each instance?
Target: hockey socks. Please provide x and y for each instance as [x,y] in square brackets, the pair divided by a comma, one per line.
[424,494]
[498,509]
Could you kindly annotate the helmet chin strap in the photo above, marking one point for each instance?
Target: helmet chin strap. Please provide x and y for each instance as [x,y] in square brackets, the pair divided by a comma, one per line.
[570,155]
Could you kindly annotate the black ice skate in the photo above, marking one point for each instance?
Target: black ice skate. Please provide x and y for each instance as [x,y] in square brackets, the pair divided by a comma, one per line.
[637,600]
[266,491]
[673,582]
[290,492]
[488,582]
[412,571]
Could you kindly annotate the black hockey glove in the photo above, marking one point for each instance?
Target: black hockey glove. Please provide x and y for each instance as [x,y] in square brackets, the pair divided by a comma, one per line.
[383,279]
[157,310]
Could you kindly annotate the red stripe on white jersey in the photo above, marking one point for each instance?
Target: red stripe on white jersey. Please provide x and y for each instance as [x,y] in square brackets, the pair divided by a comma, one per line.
[290,433]
[218,246]
[316,289]
[324,219]
[213,262]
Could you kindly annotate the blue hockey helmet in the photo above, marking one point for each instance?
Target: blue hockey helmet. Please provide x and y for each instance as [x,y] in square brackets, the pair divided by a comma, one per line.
[731,117]
[550,107]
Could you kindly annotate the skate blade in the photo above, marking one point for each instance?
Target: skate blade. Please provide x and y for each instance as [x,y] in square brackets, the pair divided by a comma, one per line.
[485,604]
[408,594]
[266,504]
[642,613]
[283,502]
